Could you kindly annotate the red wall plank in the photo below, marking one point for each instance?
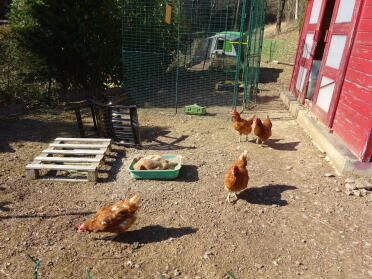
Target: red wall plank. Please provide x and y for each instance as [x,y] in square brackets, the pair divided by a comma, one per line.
[363,38]
[365,25]
[357,105]
[358,77]
[364,95]
[360,64]
[354,117]
[362,51]
[367,12]
[353,128]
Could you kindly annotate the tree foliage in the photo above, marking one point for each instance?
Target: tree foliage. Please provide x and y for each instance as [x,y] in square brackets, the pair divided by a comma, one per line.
[79,41]
[21,73]
[148,42]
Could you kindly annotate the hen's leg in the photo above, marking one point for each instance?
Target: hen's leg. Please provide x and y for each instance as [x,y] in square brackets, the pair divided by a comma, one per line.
[246,137]
[240,137]
[228,197]
[257,140]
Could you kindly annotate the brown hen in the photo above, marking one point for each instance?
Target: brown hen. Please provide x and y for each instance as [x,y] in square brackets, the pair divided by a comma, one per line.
[115,218]
[262,129]
[236,177]
[152,162]
[242,126]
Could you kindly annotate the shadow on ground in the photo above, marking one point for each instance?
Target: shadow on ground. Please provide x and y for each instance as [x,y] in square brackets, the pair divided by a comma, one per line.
[287,146]
[188,173]
[150,234]
[266,195]
[4,206]
[159,139]
[20,129]
[268,75]
[113,164]
[44,216]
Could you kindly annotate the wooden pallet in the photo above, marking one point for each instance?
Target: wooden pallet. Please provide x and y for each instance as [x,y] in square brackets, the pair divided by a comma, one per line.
[81,155]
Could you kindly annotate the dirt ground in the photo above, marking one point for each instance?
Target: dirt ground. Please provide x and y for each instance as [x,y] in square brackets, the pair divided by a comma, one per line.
[293,221]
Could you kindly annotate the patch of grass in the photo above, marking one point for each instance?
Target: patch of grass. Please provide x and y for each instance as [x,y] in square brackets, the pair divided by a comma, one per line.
[282,47]
[278,49]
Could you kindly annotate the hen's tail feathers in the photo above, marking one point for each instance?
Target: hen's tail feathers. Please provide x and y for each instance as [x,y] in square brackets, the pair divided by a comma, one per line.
[252,117]
[244,155]
[135,201]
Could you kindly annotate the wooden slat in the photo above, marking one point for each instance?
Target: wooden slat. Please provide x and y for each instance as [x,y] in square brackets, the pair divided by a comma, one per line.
[360,64]
[365,25]
[65,179]
[79,145]
[358,97]
[60,167]
[362,51]
[360,78]
[123,128]
[120,120]
[120,113]
[363,38]
[84,139]
[74,152]
[367,12]
[69,159]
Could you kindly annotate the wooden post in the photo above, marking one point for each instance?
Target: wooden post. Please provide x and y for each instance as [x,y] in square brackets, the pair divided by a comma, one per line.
[32,174]
[92,175]
[79,122]
[168,13]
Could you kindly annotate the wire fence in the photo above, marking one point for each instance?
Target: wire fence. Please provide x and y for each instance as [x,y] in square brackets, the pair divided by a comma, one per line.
[185,52]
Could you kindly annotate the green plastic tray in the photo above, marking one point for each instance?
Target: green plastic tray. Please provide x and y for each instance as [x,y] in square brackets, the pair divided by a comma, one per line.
[174,160]
[195,109]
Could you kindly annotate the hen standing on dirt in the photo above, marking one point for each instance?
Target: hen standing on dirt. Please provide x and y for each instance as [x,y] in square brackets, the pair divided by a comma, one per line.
[115,218]
[236,177]
[242,126]
[262,129]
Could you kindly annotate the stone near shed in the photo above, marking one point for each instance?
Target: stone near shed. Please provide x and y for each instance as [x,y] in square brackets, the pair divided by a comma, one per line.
[207,254]
[362,184]
[337,189]
[349,180]
[258,266]
[348,193]
[350,186]
[363,192]
[328,174]
[356,193]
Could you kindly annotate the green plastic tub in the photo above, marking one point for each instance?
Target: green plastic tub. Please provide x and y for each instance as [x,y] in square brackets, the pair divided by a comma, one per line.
[172,173]
[195,109]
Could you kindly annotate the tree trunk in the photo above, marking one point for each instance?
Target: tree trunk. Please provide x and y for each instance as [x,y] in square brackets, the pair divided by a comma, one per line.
[237,20]
[279,16]
[296,10]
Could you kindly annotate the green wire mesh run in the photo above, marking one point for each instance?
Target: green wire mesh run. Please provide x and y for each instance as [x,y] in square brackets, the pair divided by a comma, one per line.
[252,56]
[204,52]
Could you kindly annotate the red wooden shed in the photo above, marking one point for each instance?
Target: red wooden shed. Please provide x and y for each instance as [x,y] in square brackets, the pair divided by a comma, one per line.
[333,69]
